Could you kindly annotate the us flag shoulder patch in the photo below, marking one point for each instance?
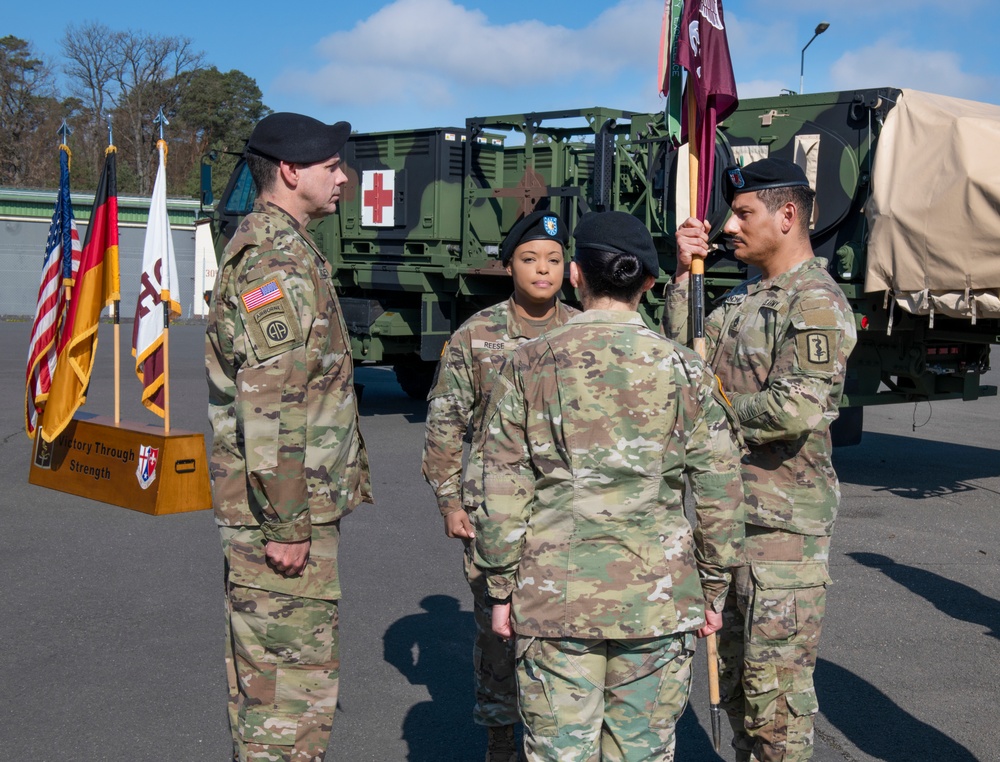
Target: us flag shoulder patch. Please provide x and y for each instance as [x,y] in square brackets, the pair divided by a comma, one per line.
[258,297]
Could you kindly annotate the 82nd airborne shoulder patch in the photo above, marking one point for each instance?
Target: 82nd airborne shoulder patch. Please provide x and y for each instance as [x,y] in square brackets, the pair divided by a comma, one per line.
[269,319]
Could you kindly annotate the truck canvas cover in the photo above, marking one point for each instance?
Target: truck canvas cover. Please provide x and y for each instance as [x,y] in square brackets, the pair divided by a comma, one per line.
[935,207]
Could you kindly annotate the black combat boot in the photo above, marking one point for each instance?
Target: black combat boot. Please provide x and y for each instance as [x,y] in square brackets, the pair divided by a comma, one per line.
[502,745]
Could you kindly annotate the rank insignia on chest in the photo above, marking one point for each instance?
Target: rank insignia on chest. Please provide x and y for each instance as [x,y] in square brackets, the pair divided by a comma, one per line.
[262,295]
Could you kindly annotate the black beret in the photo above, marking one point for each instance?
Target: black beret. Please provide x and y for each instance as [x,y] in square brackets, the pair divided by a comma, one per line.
[536,226]
[763,174]
[297,139]
[620,233]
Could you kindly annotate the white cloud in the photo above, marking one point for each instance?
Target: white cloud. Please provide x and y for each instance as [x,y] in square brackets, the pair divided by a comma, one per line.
[759,88]
[434,53]
[886,63]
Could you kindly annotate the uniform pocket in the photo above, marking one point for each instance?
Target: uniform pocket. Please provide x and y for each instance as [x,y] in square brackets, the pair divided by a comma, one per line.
[802,704]
[788,596]
[534,692]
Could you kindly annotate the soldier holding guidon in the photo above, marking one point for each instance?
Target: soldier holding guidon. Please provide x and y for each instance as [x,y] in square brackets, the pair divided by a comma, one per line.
[533,255]
[586,442]
[779,343]
[288,461]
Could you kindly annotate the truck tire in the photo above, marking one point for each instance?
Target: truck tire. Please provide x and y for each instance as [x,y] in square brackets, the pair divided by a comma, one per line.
[415,377]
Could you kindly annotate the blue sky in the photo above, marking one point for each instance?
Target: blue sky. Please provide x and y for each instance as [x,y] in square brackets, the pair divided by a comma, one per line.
[423,63]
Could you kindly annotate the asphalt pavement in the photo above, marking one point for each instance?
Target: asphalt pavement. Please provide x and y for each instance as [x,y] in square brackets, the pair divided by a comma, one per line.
[111,621]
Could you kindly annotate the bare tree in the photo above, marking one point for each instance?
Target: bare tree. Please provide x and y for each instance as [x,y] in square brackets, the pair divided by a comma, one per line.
[133,74]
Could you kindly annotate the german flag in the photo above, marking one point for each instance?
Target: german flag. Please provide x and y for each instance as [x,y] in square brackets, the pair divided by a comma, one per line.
[97,284]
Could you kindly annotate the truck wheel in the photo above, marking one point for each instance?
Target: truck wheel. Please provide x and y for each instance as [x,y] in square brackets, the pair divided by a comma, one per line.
[415,377]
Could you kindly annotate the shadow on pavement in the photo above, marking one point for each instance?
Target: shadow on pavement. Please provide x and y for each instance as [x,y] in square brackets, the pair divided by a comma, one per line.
[435,649]
[875,724]
[918,468]
[955,599]
[693,743]
[382,396]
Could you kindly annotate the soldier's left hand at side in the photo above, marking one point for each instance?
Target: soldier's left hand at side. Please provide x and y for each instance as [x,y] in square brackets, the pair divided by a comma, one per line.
[288,558]
[501,620]
[457,524]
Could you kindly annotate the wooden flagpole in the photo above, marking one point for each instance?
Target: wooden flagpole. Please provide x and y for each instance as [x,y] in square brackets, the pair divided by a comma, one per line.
[697,300]
[116,307]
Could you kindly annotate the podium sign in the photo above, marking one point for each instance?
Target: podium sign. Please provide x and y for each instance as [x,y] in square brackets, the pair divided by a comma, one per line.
[132,465]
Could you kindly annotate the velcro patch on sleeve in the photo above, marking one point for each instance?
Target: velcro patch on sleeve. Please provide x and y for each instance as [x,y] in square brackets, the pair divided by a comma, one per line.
[271,323]
[262,295]
[817,350]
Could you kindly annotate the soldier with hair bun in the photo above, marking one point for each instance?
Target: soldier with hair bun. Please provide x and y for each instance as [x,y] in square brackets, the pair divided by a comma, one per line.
[533,254]
[288,461]
[593,569]
[779,343]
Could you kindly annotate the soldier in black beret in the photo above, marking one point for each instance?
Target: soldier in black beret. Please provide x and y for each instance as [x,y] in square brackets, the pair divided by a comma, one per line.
[295,160]
[537,226]
[288,461]
[618,233]
[779,344]
[533,254]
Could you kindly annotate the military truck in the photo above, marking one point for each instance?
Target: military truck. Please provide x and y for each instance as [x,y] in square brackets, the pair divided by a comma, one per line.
[414,245]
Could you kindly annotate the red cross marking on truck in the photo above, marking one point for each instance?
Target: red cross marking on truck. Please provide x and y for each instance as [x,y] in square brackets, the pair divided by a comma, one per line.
[378,198]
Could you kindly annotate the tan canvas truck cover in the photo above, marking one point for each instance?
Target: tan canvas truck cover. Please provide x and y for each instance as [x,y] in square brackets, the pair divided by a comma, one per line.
[935,207]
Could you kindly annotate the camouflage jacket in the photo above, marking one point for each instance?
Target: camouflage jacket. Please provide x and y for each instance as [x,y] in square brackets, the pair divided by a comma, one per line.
[287,451]
[465,376]
[588,436]
[780,348]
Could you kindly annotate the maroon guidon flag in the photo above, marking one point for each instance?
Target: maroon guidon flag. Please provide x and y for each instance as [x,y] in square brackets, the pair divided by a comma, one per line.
[704,51]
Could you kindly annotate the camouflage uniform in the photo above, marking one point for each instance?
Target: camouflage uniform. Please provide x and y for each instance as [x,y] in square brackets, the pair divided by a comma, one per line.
[287,463]
[588,436]
[457,401]
[780,348]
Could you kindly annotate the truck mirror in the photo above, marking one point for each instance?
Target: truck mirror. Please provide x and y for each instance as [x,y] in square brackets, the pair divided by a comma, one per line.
[207,197]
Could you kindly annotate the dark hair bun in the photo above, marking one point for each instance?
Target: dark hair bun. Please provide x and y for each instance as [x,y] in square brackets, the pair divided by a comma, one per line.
[624,269]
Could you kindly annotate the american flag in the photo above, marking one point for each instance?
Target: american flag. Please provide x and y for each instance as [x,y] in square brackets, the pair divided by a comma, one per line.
[62,260]
[262,295]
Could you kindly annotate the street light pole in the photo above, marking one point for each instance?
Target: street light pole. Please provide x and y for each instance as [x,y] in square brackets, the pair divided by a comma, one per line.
[821,27]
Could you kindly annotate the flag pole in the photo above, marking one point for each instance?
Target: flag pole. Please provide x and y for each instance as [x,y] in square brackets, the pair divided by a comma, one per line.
[697,299]
[116,310]
[161,120]
[64,133]
[697,264]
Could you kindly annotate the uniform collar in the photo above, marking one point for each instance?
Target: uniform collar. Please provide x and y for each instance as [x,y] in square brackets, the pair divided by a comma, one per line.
[273,210]
[519,327]
[609,316]
[786,278]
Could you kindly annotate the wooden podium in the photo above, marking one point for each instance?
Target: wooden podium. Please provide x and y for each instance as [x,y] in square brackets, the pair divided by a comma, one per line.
[133,465]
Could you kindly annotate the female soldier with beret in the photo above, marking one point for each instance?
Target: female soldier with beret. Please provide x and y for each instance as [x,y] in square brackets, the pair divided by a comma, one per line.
[533,255]
[588,555]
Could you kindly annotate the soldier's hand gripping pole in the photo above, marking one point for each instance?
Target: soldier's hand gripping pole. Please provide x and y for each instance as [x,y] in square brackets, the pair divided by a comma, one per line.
[697,302]
[713,692]
[697,280]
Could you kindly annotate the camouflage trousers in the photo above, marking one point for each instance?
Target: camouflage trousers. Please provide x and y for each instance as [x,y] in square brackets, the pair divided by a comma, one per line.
[769,642]
[611,700]
[283,667]
[492,659]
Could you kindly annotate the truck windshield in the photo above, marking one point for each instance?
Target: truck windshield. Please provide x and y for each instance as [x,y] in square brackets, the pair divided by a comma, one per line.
[243,194]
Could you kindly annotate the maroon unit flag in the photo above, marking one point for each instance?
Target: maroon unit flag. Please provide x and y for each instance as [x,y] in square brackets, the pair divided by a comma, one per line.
[704,51]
